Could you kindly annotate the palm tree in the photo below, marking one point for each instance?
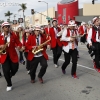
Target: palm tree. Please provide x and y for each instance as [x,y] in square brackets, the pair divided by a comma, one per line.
[1,21]
[8,14]
[23,8]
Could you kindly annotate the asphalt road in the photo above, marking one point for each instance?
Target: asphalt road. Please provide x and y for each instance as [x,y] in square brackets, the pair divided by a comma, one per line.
[56,85]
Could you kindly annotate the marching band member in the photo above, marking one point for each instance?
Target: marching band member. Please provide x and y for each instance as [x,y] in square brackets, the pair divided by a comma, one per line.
[99,22]
[43,32]
[47,36]
[25,39]
[94,42]
[76,28]
[82,28]
[83,32]
[20,35]
[41,57]
[15,30]
[89,26]
[31,30]
[47,29]
[70,47]
[56,44]
[8,54]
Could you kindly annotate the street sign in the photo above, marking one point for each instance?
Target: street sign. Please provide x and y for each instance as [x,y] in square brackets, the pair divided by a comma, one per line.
[20,20]
[14,21]
[48,18]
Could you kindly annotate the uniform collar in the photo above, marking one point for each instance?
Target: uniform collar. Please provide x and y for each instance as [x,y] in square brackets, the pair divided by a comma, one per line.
[3,34]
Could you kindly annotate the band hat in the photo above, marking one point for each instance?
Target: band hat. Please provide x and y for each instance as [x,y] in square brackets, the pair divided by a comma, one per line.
[94,19]
[71,23]
[83,23]
[27,31]
[5,24]
[54,19]
[37,27]
[42,28]
[89,23]
[31,29]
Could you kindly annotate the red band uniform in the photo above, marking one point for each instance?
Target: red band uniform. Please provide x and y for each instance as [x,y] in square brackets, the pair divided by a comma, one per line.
[9,60]
[70,48]
[35,59]
[56,44]
[94,40]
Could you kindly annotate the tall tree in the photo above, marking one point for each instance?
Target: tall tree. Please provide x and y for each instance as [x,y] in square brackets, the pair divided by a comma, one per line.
[8,14]
[23,8]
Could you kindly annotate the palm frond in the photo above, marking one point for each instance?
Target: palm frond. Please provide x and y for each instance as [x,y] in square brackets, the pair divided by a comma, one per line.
[23,6]
[8,13]
[19,10]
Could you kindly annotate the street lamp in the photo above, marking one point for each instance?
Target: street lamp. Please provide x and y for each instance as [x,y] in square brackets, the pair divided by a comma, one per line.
[47,6]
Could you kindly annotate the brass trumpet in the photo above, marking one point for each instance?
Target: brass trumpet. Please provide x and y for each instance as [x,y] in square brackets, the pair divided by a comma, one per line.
[40,47]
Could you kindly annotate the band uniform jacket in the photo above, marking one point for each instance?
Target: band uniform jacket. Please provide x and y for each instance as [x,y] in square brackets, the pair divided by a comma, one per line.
[10,50]
[54,40]
[31,43]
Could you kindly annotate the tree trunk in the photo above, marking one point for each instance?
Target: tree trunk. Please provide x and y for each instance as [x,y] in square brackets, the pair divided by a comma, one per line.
[9,19]
[24,19]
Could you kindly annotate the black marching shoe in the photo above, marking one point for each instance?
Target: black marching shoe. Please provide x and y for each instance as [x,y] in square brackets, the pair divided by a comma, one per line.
[0,75]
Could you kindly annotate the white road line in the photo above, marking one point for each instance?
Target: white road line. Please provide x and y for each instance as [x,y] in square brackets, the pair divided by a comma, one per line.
[77,64]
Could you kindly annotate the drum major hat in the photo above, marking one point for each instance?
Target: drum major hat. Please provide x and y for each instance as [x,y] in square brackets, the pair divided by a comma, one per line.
[5,24]
[71,23]
[37,27]
[54,19]
[94,19]
[83,23]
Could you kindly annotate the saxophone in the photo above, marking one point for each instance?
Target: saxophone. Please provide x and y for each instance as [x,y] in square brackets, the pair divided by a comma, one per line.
[40,47]
[3,51]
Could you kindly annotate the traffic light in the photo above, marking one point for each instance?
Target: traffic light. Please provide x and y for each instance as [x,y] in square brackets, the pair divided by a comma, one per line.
[32,11]
[92,1]
[48,21]
[20,20]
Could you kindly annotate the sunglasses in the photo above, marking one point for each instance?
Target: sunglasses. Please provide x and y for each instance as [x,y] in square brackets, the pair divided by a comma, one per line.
[37,30]
[7,26]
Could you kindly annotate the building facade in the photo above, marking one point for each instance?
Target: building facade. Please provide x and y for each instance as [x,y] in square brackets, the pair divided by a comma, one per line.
[40,18]
[88,11]
[67,9]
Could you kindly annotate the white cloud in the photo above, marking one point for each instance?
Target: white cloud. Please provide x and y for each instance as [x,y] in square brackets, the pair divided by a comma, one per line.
[31,4]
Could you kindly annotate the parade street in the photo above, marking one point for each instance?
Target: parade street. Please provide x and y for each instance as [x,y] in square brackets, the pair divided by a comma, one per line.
[56,86]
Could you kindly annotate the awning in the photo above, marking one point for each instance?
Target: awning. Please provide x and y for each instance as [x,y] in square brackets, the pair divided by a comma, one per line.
[83,18]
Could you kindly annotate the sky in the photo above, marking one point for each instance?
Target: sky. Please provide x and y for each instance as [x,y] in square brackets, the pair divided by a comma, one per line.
[13,6]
